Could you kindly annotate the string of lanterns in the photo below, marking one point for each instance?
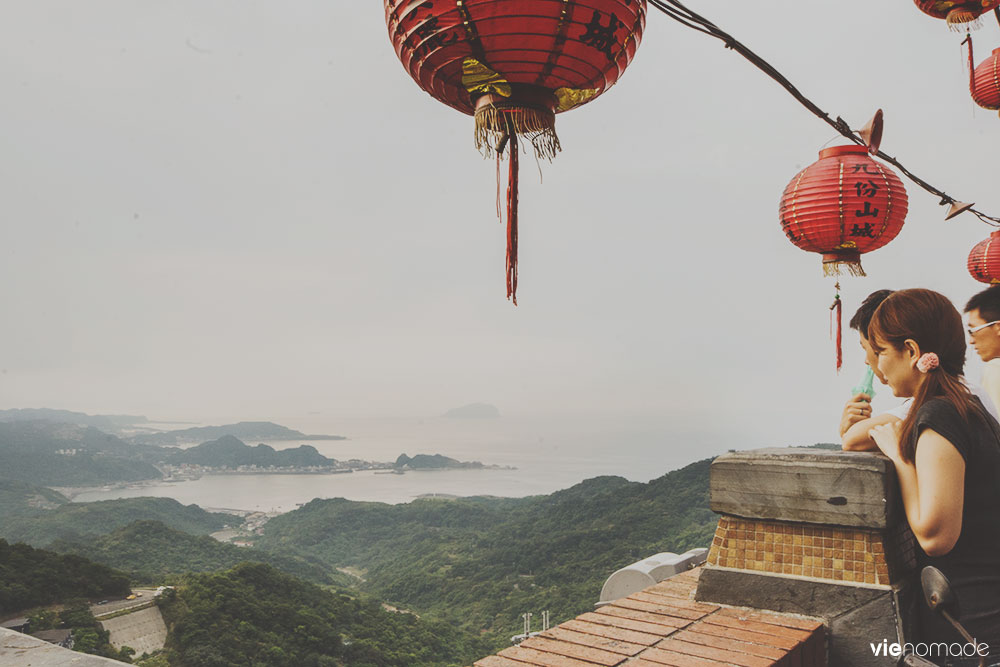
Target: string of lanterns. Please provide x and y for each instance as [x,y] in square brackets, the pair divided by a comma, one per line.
[515,64]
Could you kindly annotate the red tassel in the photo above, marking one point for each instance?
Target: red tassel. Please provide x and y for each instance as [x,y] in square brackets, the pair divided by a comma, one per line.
[838,307]
[972,64]
[512,222]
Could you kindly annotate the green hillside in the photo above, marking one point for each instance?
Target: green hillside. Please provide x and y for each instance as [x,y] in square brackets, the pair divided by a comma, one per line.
[56,454]
[75,521]
[32,577]
[255,615]
[479,563]
[231,452]
[153,553]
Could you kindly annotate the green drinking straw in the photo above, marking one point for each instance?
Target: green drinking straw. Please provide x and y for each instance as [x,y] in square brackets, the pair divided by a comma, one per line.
[865,386]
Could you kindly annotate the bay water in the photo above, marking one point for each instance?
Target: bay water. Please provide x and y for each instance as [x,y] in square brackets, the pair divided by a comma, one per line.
[546,455]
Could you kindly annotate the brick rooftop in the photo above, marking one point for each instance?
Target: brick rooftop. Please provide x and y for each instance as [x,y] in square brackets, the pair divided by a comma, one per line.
[664,625]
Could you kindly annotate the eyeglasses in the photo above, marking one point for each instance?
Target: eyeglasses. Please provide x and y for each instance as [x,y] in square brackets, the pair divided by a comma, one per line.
[973,330]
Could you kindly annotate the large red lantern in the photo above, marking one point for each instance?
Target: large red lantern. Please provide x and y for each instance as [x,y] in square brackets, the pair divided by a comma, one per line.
[957,13]
[843,205]
[984,260]
[984,80]
[514,64]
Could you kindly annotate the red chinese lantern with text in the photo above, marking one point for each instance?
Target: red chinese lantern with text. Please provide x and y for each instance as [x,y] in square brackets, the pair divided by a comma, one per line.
[984,260]
[843,205]
[515,64]
[959,14]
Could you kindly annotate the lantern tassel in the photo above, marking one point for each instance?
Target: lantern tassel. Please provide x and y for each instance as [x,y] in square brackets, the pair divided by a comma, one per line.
[538,125]
[972,65]
[838,308]
[839,268]
[959,20]
[512,223]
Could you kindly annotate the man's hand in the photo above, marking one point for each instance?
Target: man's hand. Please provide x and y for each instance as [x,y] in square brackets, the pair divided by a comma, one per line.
[856,409]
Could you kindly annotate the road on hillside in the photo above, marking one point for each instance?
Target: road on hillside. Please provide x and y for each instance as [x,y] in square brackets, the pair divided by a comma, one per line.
[112,606]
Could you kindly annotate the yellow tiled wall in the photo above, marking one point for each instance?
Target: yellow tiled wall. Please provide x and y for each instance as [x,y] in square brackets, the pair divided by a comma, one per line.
[809,550]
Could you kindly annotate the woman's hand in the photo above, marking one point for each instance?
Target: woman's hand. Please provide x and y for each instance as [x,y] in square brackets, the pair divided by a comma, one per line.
[856,409]
[886,437]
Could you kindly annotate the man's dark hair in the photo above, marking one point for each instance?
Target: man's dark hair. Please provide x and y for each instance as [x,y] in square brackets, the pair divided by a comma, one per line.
[987,303]
[863,317]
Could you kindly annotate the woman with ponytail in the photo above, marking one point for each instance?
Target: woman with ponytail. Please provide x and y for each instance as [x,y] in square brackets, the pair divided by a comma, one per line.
[947,458]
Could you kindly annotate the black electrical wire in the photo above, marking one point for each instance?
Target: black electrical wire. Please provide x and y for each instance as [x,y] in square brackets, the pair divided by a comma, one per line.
[678,12]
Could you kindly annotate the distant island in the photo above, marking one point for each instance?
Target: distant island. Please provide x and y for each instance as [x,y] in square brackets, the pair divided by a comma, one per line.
[439,462]
[231,452]
[474,411]
[241,430]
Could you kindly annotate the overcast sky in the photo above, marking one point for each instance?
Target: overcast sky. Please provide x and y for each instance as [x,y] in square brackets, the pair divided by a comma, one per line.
[216,210]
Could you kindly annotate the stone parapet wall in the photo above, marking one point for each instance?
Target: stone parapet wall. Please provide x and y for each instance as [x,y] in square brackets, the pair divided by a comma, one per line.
[819,533]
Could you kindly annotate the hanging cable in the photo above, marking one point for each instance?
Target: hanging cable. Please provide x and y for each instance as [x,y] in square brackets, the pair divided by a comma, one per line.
[678,12]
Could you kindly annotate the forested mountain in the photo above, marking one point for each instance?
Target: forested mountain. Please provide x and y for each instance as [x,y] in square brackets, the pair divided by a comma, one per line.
[230,452]
[76,521]
[31,577]
[479,563]
[255,615]
[53,454]
[153,553]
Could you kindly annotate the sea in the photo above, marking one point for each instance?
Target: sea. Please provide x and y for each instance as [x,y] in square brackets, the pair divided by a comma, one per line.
[530,456]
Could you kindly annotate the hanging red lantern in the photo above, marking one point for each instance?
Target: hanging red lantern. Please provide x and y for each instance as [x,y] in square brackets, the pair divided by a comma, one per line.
[514,64]
[958,13]
[843,205]
[984,260]
[984,80]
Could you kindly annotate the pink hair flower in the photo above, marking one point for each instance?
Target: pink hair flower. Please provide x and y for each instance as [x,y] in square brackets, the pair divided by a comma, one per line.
[927,362]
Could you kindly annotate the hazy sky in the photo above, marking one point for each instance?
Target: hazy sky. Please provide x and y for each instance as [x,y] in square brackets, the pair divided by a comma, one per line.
[218,210]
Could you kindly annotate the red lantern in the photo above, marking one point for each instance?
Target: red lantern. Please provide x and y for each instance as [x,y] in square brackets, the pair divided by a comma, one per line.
[842,206]
[514,64]
[984,81]
[957,12]
[984,260]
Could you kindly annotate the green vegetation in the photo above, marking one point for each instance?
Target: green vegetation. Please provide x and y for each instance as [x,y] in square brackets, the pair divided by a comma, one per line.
[230,452]
[33,577]
[153,553]
[76,521]
[479,563]
[255,615]
[52,454]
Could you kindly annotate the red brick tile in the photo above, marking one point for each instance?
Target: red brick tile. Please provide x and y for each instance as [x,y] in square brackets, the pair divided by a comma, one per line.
[564,634]
[540,658]
[635,614]
[611,632]
[721,655]
[580,652]
[656,656]
[658,631]
[694,636]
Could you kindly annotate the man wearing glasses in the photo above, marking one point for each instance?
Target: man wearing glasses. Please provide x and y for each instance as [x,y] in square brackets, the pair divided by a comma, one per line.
[984,335]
